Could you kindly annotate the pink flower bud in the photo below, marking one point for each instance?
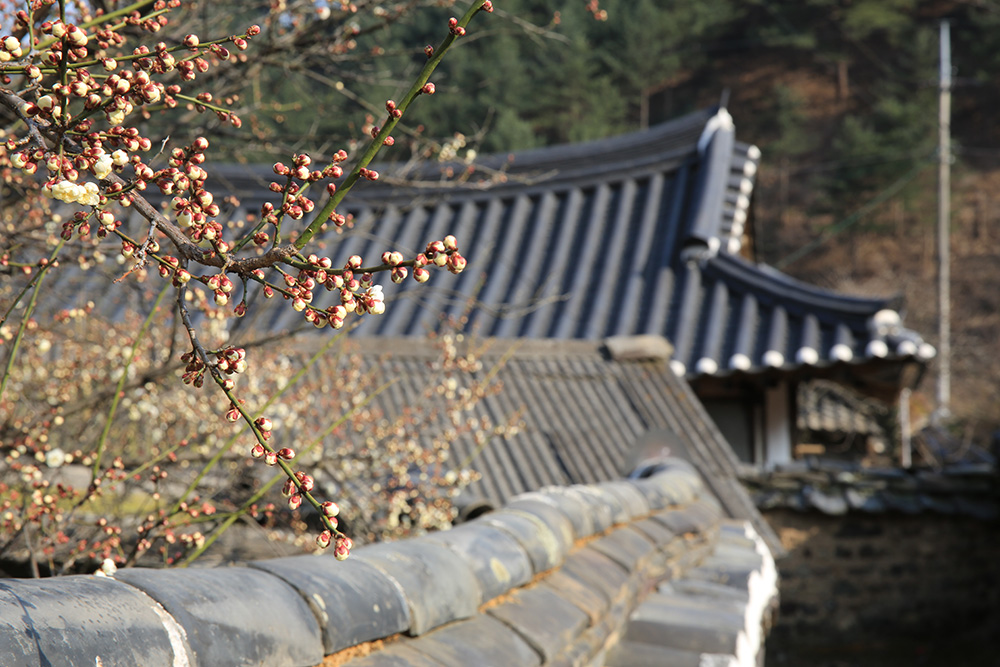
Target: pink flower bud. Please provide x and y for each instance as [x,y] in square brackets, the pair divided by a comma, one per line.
[456,263]
[306,482]
[323,539]
[330,509]
[295,501]
[257,451]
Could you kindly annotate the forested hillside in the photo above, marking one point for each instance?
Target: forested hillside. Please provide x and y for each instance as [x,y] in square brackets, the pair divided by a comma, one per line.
[841,96]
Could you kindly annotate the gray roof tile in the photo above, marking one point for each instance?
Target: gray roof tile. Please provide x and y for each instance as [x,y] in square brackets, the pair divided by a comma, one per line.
[545,620]
[655,531]
[550,514]
[545,548]
[597,517]
[267,622]
[395,655]
[638,654]
[596,571]
[481,640]
[682,521]
[589,601]
[571,505]
[56,621]
[678,624]
[438,584]
[496,558]
[627,547]
[631,499]
[354,601]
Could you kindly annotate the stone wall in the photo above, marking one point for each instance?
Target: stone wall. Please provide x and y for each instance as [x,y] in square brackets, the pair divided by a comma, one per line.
[862,579]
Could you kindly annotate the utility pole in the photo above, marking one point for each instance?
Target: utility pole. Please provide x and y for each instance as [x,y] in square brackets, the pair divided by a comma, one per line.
[944,235]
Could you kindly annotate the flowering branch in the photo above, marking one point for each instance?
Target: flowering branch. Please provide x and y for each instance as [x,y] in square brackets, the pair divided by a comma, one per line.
[81,98]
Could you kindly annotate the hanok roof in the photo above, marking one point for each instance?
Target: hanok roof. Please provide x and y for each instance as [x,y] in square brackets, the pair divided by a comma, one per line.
[635,234]
[587,418]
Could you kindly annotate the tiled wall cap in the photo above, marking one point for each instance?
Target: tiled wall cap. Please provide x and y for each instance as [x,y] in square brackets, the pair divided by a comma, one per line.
[632,500]
[499,562]
[481,640]
[396,655]
[543,619]
[637,654]
[619,513]
[681,624]
[550,514]
[75,620]
[684,520]
[571,504]
[659,534]
[655,494]
[233,615]
[597,571]
[593,603]
[544,547]
[601,513]
[626,546]
[707,510]
[678,487]
[354,602]
[438,584]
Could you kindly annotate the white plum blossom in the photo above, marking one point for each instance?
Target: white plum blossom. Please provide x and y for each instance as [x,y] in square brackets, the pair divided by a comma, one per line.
[87,194]
[107,569]
[102,166]
[55,458]
[120,158]
[374,293]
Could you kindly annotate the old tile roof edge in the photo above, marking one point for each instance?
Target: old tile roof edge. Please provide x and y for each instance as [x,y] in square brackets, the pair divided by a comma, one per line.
[521,581]
[836,487]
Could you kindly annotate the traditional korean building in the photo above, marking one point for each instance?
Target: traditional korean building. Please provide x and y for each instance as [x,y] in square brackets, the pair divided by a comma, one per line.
[644,233]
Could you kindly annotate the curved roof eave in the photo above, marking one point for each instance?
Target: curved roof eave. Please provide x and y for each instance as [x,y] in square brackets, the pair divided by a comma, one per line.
[769,283]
